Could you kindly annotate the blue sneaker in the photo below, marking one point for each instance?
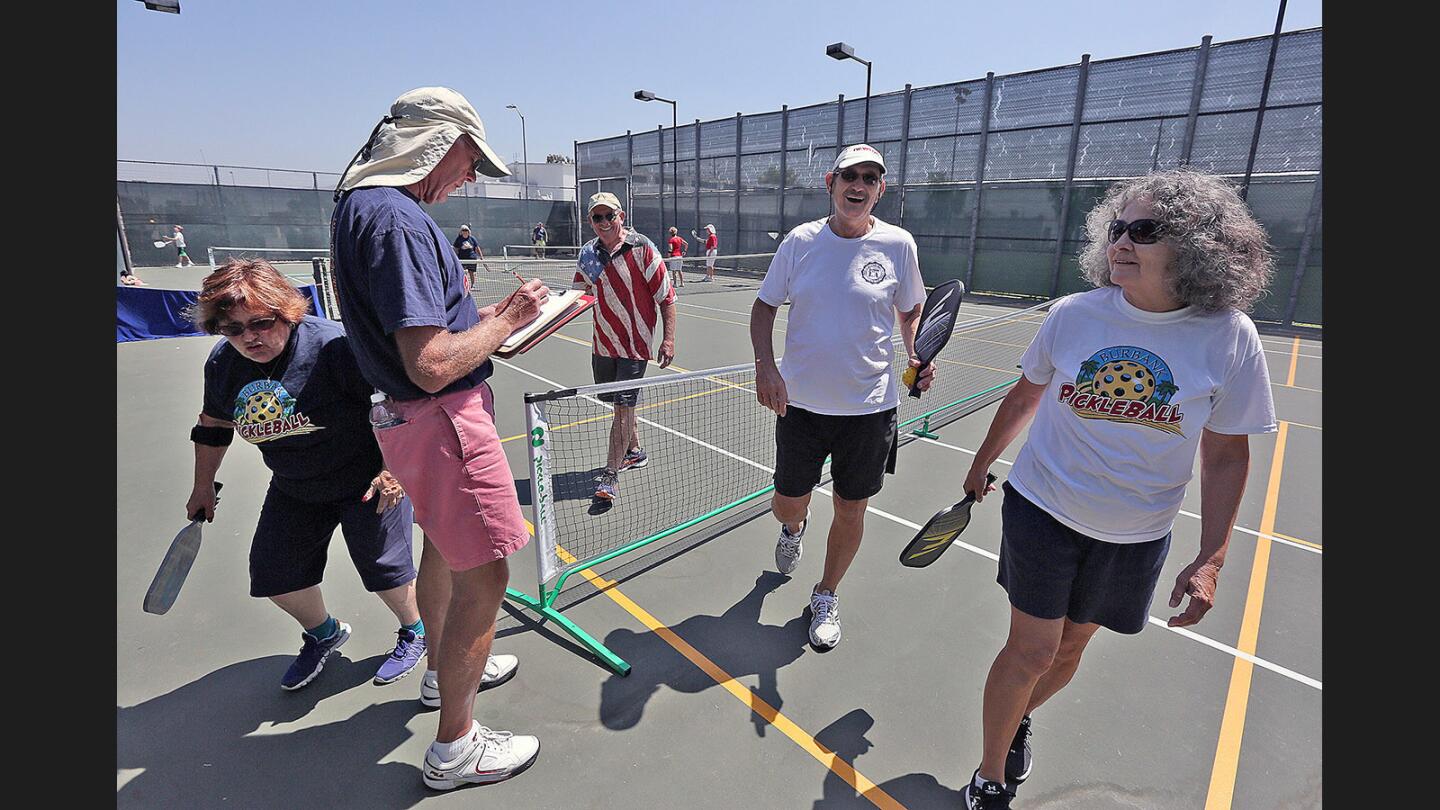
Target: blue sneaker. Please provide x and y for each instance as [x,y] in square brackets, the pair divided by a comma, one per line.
[606,487]
[312,657]
[407,653]
[634,460]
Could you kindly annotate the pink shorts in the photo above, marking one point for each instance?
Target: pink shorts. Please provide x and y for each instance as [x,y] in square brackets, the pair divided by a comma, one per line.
[448,457]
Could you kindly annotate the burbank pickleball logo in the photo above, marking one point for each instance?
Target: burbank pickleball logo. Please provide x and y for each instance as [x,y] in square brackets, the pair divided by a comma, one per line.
[265,411]
[1125,384]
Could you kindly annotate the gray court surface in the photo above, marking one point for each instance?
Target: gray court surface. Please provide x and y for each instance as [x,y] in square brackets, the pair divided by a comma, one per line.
[1226,714]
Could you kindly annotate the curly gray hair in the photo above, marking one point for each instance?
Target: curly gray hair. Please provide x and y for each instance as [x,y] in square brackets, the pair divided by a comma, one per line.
[1222,254]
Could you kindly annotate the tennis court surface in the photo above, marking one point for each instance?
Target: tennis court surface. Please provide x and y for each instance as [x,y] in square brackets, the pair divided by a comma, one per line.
[725,705]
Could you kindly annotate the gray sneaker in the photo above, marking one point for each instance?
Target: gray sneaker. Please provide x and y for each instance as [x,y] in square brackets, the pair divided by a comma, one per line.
[787,548]
[824,619]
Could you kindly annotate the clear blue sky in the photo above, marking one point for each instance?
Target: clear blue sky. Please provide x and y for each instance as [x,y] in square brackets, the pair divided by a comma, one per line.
[287,84]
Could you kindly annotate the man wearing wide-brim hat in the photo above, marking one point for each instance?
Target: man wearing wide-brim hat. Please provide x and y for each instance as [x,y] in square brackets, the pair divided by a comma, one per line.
[419,339]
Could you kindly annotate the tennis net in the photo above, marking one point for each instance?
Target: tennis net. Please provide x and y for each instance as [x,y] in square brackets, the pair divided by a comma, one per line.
[710,445]
[294,262]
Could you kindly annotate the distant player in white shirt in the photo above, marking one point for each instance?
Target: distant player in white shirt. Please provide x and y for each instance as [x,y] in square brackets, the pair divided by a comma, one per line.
[848,278]
[183,259]
[1125,384]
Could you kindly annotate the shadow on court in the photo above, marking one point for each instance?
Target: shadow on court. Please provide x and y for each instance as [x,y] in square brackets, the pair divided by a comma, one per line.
[221,741]
[736,641]
[846,737]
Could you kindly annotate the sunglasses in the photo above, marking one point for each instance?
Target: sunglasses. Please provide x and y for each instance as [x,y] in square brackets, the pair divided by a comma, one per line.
[610,217]
[236,329]
[850,175]
[1142,231]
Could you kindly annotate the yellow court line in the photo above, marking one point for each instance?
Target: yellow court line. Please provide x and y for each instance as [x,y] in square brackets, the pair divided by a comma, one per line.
[740,691]
[1298,540]
[1294,358]
[1237,700]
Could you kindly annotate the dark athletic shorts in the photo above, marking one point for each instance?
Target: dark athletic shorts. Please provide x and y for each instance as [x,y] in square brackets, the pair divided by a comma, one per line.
[615,369]
[1052,571]
[861,448]
[288,552]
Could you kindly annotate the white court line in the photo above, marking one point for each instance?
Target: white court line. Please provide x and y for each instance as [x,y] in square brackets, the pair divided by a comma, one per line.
[1209,642]
[1184,512]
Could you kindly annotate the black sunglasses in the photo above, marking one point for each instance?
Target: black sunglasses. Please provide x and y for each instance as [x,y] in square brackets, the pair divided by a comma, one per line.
[849,176]
[610,217]
[236,329]
[1142,231]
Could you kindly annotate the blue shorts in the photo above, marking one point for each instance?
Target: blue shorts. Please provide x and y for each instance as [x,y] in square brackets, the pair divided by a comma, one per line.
[1052,571]
[288,552]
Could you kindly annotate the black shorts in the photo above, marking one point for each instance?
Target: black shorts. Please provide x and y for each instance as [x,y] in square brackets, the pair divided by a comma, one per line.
[616,369]
[861,448]
[291,539]
[1052,571]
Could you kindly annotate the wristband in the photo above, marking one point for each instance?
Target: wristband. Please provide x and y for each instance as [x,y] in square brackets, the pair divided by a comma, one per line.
[212,436]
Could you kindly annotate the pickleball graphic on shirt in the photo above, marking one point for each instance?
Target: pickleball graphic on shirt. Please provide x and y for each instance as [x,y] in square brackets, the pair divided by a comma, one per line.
[265,411]
[1125,384]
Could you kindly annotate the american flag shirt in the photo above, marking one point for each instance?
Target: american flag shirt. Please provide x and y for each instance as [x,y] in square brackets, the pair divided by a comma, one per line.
[629,286]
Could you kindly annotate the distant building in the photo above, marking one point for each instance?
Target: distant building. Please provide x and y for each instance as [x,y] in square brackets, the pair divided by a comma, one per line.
[548,181]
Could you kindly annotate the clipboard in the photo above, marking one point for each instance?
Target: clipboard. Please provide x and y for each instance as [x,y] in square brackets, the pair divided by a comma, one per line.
[560,308]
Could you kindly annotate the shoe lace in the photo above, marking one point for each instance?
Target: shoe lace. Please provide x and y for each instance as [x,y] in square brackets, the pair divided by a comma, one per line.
[402,646]
[823,607]
[489,735]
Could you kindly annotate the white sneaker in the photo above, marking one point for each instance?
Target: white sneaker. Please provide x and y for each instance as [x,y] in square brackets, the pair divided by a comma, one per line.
[493,756]
[498,670]
[787,548]
[824,619]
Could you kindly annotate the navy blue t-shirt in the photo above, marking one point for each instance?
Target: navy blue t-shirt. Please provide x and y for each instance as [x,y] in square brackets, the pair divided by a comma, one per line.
[309,416]
[465,246]
[394,268]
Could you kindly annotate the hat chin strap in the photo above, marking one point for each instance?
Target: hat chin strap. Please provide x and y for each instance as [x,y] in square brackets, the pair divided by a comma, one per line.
[362,154]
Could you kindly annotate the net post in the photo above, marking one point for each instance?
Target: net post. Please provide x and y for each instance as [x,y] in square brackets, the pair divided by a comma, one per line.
[210,253]
[542,505]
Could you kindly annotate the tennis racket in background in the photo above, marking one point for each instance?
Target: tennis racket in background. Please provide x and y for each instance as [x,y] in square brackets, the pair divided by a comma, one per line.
[937,323]
[940,531]
[176,565]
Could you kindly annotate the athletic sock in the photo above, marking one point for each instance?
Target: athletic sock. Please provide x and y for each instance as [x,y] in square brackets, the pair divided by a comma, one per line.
[449,752]
[418,628]
[325,629]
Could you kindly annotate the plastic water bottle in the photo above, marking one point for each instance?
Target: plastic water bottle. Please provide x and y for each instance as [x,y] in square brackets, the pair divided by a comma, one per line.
[380,414]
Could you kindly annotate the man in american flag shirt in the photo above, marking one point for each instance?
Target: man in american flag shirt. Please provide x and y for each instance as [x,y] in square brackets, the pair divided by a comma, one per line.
[624,271]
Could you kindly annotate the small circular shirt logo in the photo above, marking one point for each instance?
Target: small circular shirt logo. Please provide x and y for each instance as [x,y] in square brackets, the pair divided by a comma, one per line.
[873,272]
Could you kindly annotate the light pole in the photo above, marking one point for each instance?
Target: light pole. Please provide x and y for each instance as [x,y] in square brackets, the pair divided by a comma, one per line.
[525,156]
[646,95]
[841,51]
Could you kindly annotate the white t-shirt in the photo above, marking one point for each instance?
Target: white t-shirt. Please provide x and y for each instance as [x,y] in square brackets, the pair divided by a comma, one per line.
[1128,393]
[843,295]
[179,239]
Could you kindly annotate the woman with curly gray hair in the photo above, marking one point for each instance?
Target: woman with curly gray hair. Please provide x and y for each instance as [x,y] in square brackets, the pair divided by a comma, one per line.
[1125,384]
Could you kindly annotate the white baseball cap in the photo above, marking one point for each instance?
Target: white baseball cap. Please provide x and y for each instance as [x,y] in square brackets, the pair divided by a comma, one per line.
[859,153]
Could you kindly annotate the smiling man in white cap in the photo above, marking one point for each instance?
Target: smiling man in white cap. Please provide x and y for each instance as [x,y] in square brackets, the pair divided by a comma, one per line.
[848,278]
[418,338]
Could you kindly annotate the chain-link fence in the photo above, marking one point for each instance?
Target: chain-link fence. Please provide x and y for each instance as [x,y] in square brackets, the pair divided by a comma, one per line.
[994,176]
[240,206]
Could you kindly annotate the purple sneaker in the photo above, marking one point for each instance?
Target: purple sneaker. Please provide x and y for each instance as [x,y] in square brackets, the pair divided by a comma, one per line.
[409,649]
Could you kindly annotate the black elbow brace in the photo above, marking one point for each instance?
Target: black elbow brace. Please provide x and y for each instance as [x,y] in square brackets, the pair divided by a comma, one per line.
[212,436]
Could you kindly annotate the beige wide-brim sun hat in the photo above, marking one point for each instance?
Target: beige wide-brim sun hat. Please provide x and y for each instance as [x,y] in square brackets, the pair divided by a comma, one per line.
[422,126]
